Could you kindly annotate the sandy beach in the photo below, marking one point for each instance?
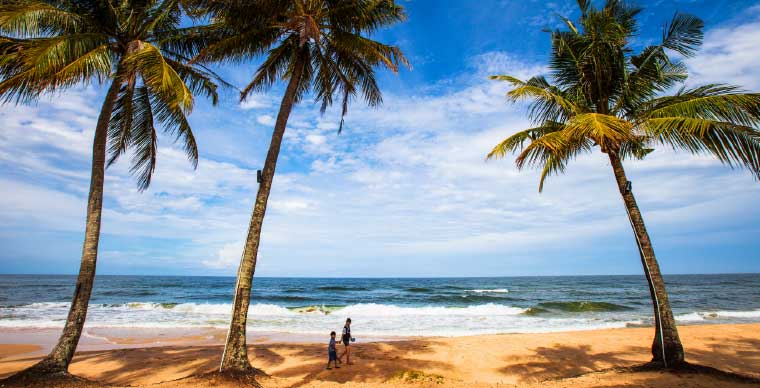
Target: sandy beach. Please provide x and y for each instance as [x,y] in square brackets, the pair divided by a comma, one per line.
[569,359]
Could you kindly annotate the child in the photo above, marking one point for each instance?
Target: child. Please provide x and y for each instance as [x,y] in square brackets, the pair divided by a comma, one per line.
[332,354]
[347,339]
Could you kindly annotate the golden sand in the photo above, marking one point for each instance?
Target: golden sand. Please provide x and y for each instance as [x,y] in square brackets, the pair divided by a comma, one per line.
[569,359]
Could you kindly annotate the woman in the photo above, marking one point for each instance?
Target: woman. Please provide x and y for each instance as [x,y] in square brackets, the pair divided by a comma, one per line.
[347,339]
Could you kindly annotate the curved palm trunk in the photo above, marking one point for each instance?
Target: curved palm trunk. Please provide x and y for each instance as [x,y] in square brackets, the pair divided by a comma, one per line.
[666,348]
[59,358]
[235,356]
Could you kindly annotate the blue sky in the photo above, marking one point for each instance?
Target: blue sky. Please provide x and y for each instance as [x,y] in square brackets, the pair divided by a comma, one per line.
[405,190]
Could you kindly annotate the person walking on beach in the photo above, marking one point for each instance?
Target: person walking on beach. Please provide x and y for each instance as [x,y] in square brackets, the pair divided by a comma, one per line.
[346,339]
[332,352]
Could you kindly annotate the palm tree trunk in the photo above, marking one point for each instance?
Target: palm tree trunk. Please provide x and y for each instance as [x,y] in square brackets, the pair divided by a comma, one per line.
[235,356]
[59,358]
[666,347]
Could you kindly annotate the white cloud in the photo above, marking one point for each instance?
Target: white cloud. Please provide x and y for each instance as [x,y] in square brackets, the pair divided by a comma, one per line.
[255,101]
[316,139]
[291,205]
[548,13]
[265,119]
[227,258]
[729,55]
[24,204]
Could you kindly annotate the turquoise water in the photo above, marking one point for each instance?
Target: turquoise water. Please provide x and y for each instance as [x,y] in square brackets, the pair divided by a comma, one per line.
[404,307]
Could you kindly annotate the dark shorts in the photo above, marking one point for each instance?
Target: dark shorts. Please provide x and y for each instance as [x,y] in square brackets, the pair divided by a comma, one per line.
[346,342]
[333,355]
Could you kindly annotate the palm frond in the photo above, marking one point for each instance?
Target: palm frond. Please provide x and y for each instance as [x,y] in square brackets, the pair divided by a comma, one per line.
[188,42]
[637,149]
[549,99]
[303,56]
[161,18]
[551,152]
[30,18]
[236,46]
[120,126]
[517,141]
[684,34]
[345,43]
[49,64]
[198,79]
[160,77]
[374,14]
[173,119]
[552,166]
[273,68]
[732,144]
[712,102]
[143,139]
[605,130]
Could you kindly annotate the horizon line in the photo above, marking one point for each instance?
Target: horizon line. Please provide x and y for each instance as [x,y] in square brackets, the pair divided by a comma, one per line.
[384,277]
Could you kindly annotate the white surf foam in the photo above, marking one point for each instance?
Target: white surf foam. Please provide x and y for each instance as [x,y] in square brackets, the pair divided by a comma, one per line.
[490,291]
[369,319]
[371,309]
[700,316]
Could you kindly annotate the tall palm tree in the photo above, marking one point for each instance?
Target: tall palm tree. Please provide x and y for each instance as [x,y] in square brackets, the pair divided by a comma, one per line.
[603,95]
[50,45]
[315,45]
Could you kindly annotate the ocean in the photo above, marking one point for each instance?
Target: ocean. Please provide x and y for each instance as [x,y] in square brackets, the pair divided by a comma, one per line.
[383,307]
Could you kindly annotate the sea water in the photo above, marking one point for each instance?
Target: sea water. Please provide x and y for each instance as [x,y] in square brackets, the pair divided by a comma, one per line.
[382,307]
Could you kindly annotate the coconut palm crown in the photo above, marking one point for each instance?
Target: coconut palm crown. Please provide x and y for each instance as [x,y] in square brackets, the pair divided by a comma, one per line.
[327,37]
[604,95]
[48,46]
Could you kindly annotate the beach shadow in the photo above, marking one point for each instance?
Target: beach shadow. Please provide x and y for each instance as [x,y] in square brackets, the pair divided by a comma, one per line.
[145,366]
[373,362]
[564,361]
[660,379]
[140,366]
[297,364]
[263,352]
[15,364]
[737,360]
[733,354]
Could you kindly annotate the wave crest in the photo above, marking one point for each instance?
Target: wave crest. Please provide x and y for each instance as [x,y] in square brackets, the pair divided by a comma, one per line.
[699,316]
[582,306]
[489,291]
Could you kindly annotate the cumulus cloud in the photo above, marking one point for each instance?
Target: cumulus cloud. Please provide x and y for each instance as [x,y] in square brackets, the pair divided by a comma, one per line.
[265,120]
[255,101]
[729,55]
[228,257]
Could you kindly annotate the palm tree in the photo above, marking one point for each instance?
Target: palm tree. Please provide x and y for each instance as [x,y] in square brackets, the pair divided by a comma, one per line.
[49,45]
[603,95]
[318,45]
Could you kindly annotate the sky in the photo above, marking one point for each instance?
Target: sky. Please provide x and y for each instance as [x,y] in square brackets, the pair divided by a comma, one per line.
[405,189]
